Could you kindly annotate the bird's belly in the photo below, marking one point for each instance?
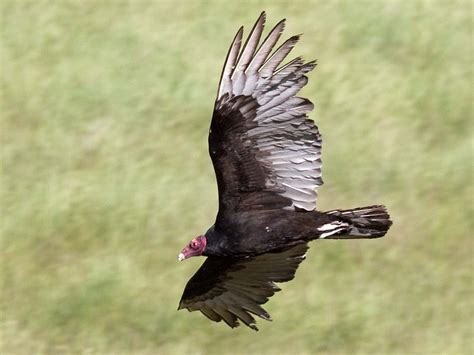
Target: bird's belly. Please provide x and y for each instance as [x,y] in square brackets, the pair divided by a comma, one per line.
[256,232]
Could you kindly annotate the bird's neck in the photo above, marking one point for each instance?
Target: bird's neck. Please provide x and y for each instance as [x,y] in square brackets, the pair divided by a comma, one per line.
[217,243]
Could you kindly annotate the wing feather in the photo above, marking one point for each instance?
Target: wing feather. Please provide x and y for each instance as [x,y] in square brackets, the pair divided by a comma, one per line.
[261,141]
[280,54]
[233,289]
[250,46]
[231,58]
[266,47]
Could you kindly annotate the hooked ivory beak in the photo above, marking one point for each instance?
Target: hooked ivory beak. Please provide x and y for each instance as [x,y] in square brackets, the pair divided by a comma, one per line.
[181,257]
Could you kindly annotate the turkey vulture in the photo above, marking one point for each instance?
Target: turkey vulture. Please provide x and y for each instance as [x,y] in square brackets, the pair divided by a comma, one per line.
[266,154]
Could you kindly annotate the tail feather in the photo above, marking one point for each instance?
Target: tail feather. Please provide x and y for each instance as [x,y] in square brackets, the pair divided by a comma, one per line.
[364,222]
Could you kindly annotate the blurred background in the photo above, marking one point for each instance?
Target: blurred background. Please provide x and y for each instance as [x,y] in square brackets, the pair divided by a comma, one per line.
[105,110]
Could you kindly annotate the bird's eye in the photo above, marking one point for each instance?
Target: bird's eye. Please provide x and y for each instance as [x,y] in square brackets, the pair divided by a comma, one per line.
[194,244]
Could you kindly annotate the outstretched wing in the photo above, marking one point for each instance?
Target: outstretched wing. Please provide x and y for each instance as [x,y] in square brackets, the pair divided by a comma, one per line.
[265,150]
[232,289]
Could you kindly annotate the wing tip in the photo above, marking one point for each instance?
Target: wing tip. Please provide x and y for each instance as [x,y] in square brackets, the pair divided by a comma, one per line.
[253,326]
[239,34]
[281,23]
[295,37]
[266,317]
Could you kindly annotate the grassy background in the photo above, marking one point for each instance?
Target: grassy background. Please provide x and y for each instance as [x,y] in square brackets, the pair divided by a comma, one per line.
[105,108]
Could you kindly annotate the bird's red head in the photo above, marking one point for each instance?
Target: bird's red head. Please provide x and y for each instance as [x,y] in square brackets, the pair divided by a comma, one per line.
[194,248]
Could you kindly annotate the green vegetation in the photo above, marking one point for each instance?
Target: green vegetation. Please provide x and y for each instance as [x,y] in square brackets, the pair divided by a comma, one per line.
[105,108]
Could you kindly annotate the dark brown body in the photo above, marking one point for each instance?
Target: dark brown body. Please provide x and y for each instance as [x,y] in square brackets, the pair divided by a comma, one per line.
[257,232]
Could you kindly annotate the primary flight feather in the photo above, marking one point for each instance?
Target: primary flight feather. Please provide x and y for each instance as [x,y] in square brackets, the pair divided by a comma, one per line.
[266,154]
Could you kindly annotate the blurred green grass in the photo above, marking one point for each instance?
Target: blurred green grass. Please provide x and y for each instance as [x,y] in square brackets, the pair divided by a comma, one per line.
[105,108]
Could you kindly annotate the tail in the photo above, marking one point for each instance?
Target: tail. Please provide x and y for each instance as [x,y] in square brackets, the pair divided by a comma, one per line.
[362,222]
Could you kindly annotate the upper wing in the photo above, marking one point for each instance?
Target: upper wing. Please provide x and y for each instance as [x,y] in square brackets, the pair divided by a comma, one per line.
[232,289]
[265,150]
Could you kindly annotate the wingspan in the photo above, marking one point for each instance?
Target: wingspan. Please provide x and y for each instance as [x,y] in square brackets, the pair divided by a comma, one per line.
[261,141]
[232,289]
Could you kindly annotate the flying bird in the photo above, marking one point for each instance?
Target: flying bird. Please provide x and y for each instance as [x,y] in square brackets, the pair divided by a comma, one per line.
[266,154]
